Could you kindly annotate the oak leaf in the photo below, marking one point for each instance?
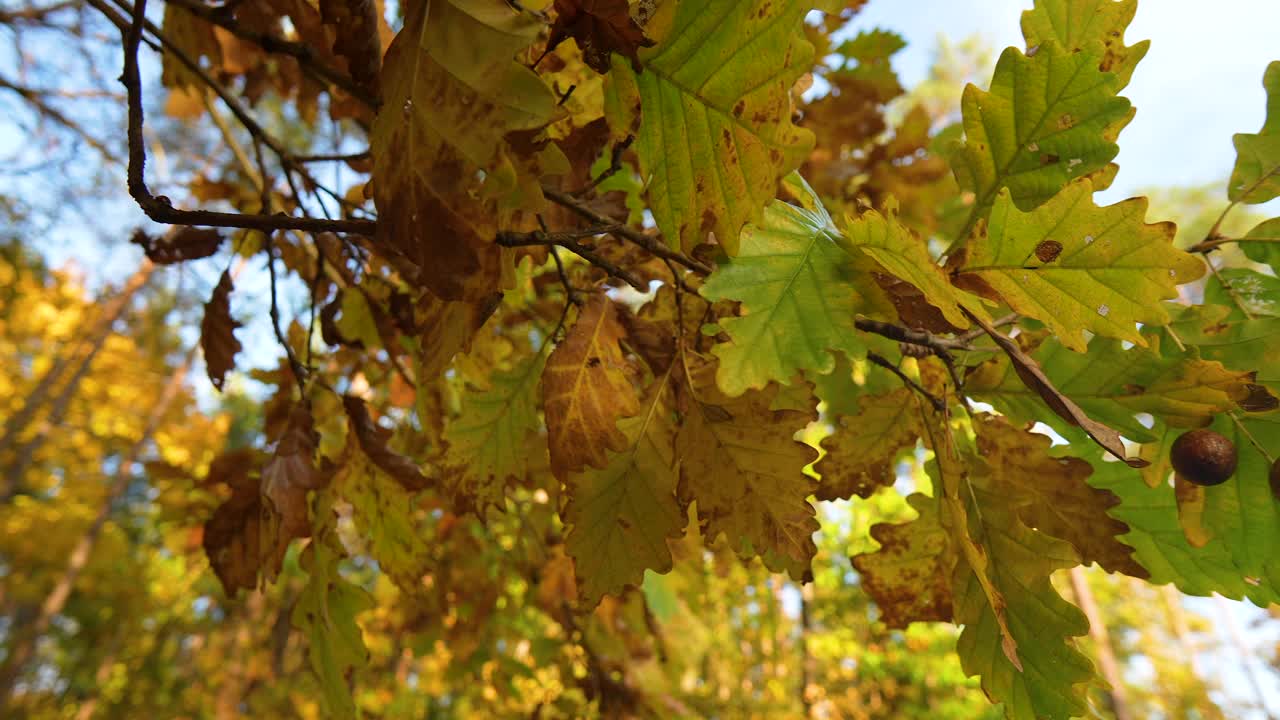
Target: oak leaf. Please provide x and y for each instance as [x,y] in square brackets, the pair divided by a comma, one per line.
[217,333]
[741,465]
[621,516]
[326,614]
[452,92]
[1256,176]
[487,441]
[586,389]
[286,478]
[1049,118]
[1052,494]
[356,38]
[1111,270]
[799,293]
[861,452]
[909,577]
[717,86]
[601,27]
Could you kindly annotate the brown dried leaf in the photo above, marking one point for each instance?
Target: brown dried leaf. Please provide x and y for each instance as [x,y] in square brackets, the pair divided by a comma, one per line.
[373,441]
[601,27]
[183,244]
[739,461]
[234,540]
[1052,495]
[355,24]
[217,333]
[289,474]
[586,389]
[860,453]
[909,576]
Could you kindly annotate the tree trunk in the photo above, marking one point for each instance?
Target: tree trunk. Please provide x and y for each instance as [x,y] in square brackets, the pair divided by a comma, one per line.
[85,351]
[1102,642]
[27,635]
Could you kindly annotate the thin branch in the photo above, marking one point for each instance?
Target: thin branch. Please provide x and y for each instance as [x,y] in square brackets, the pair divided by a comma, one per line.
[158,208]
[934,400]
[34,14]
[568,241]
[333,157]
[623,231]
[1204,246]
[941,346]
[615,165]
[35,99]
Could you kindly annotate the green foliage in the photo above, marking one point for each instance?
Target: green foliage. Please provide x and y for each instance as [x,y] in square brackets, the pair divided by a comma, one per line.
[619,379]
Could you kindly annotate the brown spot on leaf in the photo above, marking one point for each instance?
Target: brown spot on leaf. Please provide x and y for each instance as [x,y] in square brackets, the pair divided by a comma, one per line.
[1048,250]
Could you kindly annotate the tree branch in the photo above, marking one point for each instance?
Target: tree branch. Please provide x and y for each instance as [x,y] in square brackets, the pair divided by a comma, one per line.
[160,209]
[568,241]
[623,231]
[876,359]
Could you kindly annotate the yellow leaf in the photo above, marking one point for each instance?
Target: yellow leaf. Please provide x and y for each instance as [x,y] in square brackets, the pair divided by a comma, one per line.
[741,465]
[586,388]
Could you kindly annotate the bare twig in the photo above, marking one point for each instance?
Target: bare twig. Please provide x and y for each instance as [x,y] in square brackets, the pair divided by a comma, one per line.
[159,209]
[569,241]
[615,164]
[623,231]
[934,400]
[35,100]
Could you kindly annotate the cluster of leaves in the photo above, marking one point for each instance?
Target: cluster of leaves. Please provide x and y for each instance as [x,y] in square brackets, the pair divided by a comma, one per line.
[600,267]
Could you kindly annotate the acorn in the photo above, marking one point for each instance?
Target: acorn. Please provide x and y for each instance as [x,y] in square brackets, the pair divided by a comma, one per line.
[1275,479]
[1204,457]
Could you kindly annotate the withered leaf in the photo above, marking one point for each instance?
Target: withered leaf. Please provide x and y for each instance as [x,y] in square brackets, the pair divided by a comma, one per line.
[356,38]
[217,333]
[909,577]
[289,474]
[586,389]
[741,465]
[860,453]
[234,540]
[601,27]
[183,244]
[373,441]
[1052,495]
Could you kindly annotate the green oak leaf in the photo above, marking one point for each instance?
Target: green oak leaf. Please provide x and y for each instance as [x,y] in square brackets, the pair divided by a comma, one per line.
[326,614]
[622,515]
[1048,119]
[1157,538]
[1088,24]
[1243,512]
[903,254]
[1113,385]
[383,511]
[1229,338]
[1076,266]
[487,442]
[714,111]
[1050,680]
[1256,176]
[1262,243]
[799,293]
